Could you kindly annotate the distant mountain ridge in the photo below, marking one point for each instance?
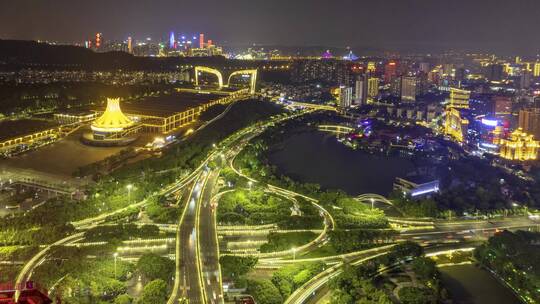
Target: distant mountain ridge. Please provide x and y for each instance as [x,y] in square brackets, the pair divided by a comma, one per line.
[18,54]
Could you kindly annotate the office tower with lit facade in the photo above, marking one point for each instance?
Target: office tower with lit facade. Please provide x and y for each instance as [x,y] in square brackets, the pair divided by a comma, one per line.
[459,98]
[373,87]
[455,125]
[408,88]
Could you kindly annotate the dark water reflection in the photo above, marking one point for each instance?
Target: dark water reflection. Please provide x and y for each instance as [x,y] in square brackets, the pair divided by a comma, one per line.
[469,284]
[317,157]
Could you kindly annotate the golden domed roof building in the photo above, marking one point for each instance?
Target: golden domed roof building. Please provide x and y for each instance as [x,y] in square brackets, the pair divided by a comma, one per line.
[112,128]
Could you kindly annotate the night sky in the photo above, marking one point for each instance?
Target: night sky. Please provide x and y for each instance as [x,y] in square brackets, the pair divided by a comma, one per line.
[503,26]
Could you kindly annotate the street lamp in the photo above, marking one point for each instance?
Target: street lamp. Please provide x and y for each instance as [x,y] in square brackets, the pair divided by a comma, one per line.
[115,256]
[372,202]
[129,187]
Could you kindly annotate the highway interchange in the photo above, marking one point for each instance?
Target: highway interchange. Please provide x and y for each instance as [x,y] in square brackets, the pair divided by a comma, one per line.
[198,275]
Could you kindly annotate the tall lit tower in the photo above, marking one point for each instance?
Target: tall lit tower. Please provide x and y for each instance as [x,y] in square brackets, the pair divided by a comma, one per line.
[99,38]
[172,41]
[130,45]
[201,41]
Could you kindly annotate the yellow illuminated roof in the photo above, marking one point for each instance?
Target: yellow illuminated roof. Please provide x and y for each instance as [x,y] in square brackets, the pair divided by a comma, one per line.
[112,119]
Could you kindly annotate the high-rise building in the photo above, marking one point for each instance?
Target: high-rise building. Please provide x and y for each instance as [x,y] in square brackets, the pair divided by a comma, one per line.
[390,71]
[371,67]
[99,40]
[455,125]
[503,105]
[459,74]
[201,41]
[345,97]
[408,88]
[172,41]
[459,98]
[373,87]
[494,72]
[360,91]
[130,45]
[536,69]
[529,121]
[525,80]
[424,67]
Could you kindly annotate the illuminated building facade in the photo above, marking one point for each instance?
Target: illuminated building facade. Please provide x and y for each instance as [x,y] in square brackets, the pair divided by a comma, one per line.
[113,127]
[455,126]
[408,88]
[390,71]
[201,41]
[345,97]
[373,87]
[99,39]
[503,105]
[371,67]
[130,45]
[520,146]
[360,91]
[459,98]
[536,69]
[529,121]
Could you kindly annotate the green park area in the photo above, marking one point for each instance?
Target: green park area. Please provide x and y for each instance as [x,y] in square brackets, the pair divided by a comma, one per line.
[273,289]
[253,207]
[404,275]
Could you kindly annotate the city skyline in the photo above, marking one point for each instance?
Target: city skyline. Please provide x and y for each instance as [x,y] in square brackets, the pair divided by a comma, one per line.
[486,26]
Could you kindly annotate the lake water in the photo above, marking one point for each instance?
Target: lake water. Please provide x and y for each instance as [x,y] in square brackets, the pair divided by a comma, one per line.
[318,157]
[469,284]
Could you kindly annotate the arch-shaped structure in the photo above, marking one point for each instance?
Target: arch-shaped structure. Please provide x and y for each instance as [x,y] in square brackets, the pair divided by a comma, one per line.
[368,197]
[211,71]
[253,81]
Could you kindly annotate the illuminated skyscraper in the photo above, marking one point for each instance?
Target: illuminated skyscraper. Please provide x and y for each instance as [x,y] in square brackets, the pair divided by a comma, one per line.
[172,41]
[454,125]
[371,67]
[130,45]
[373,87]
[408,88]
[459,98]
[201,41]
[390,71]
[536,71]
[99,39]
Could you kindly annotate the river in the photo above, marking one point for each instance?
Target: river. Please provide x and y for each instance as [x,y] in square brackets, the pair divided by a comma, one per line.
[469,284]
